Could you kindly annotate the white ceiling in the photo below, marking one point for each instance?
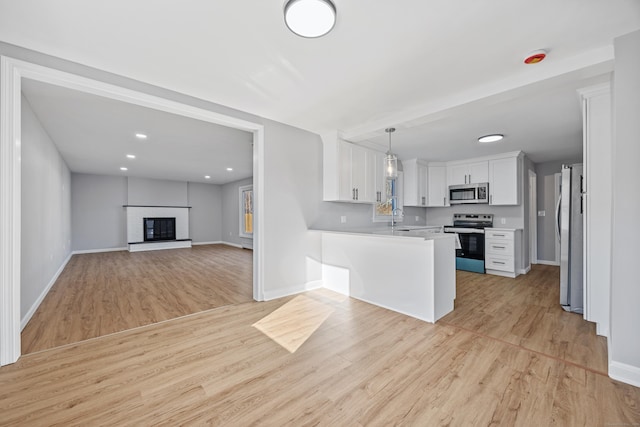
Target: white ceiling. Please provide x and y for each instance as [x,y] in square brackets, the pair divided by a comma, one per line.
[443,72]
[94,134]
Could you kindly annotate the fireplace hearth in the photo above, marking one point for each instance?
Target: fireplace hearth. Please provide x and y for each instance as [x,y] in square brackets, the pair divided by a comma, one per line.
[159,229]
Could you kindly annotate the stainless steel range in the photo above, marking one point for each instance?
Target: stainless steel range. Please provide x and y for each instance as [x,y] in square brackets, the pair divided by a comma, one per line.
[470,231]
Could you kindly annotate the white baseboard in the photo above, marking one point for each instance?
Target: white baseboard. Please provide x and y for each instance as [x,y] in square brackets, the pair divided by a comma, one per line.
[43,294]
[545,262]
[625,373]
[525,270]
[96,251]
[235,245]
[279,293]
[218,242]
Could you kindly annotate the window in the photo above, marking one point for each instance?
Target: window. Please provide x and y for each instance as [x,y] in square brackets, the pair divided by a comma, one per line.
[246,211]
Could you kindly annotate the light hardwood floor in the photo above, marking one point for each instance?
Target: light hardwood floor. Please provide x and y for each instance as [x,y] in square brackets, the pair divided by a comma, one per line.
[102,293]
[354,364]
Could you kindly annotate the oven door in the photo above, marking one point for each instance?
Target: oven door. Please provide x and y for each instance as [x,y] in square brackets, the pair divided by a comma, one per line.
[472,246]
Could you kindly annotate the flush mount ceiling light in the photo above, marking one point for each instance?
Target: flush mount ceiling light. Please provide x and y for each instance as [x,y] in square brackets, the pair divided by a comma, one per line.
[207,177]
[141,136]
[123,168]
[390,160]
[229,169]
[131,156]
[490,138]
[310,18]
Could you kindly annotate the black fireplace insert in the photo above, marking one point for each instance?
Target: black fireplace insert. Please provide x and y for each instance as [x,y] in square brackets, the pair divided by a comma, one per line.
[159,229]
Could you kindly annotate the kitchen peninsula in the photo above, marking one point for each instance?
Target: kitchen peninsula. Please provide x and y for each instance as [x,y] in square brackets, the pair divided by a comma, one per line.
[410,270]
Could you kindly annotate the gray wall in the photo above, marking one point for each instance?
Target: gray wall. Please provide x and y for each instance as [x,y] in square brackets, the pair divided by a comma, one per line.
[98,219]
[231,213]
[156,192]
[205,215]
[98,200]
[625,285]
[46,210]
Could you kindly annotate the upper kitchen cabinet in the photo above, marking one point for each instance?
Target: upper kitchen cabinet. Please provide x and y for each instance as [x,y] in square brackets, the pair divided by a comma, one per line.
[459,173]
[415,182]
[505,179]
[437,185]
[380,179]
[349,172]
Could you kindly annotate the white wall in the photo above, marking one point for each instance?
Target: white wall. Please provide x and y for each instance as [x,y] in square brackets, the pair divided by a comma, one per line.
[98,219]
[624,349]
[46,213]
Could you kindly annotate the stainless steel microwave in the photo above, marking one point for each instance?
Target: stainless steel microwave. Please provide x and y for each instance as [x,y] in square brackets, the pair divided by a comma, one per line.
[469,193]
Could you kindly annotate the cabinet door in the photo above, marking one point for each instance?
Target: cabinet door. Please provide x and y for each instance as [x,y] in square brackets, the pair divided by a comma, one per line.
[457,174]
[423,181]
[358,171]
[478,172]
[345,184]
[437,186]
[367,191]
[504,181]
[379,177]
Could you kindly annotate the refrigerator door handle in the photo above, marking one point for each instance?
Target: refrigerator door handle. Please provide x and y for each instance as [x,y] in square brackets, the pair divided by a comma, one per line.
[558,217]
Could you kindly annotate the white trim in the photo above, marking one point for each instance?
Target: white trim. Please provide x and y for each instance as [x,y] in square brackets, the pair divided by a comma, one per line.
[159,246]
[43,294]
[525,270]
[545,262]
[11,73]
[533,217]
[292,290]
[218,242]
[626,373]
[235,245]
[10,136]
[97,251]
[509,274]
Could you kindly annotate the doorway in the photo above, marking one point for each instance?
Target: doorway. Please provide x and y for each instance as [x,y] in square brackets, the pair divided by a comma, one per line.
[13,71]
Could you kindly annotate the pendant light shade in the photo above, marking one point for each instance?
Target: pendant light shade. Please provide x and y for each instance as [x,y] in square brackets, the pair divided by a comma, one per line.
[390,160]
[310,18]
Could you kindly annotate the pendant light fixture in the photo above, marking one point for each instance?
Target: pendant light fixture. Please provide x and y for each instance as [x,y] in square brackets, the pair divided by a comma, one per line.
[310,18]
[390,160]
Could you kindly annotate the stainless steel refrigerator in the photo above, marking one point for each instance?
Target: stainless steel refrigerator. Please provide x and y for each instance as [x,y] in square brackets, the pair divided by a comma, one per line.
[569,214]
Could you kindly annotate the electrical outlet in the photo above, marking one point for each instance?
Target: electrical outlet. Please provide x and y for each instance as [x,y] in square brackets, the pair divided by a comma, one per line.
[503,221]
[541,213]
[343,219]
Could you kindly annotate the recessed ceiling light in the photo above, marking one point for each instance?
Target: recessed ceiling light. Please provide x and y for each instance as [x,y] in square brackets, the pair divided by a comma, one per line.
[141,136]
[229,169]
[123,168]
[490,138]
[207,177]
[131,156]
[310,18]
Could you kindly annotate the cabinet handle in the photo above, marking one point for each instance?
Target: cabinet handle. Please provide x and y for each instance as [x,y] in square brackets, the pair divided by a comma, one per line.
[444,201]
[353,194]
[500,235]
[424,202]
[491,199]
[469,178]
[356,194]
[498,247]
[498,262]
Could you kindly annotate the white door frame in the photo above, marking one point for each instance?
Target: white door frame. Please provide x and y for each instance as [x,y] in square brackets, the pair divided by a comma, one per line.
[12,71]
[533,218]
[557,177]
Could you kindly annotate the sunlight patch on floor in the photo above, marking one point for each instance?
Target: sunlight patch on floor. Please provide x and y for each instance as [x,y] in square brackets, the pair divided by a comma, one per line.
[293,323]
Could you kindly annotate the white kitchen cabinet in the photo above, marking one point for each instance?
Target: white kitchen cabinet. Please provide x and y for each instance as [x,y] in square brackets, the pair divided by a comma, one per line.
[505,180]
[502,251]
[348,172]
[415,182]
[380,178]
[467,172]
[437,190]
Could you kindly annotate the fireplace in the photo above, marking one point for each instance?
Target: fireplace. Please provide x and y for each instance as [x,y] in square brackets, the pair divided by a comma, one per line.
[159,229]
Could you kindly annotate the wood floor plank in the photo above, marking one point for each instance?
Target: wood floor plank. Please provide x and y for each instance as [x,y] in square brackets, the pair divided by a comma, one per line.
[362,366]
[102,293]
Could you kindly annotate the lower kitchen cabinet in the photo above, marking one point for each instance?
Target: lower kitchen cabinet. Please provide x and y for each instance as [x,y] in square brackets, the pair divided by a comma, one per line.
[502,251]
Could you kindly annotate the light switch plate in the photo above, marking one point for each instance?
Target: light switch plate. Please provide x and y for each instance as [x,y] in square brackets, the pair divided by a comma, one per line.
[343,219]
[503,221]
[541,213]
